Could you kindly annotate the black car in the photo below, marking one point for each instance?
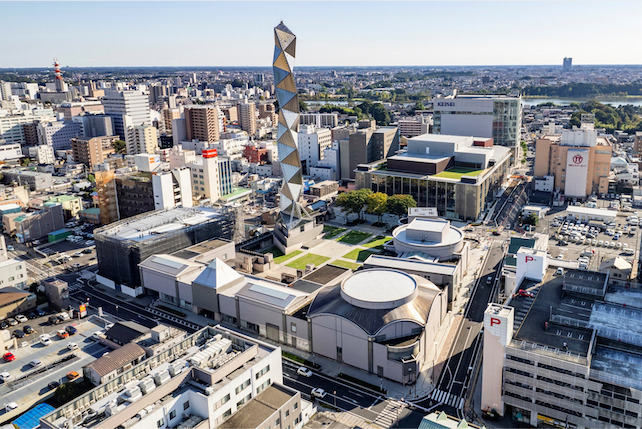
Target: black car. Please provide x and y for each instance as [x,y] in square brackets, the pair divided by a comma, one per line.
[32,315]
[27,329]
[71,330]
[39,312]
[18,333]
[53,385]
[4,325]
[54,320]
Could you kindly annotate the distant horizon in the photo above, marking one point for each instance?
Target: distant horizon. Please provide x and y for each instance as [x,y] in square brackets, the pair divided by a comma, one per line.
[358,34]
[68,67]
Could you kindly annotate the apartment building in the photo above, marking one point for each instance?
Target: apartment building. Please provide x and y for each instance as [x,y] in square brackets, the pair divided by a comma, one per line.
[92,151]
[202,123]
[141,139]
[247,117]
[312,143]
[133,104]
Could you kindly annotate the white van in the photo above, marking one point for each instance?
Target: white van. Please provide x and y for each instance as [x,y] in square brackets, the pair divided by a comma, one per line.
[560,271]
[629,252]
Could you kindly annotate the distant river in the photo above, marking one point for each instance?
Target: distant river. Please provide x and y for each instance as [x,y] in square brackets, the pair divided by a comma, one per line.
[613,101]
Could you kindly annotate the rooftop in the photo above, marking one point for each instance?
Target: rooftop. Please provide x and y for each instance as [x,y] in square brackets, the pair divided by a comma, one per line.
[152,224]
[116,359]
[259,409]
[378,288]
[458,172]
[325,274]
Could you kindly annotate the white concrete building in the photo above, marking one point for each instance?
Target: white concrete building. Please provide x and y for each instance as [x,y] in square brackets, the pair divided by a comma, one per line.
[13,271]
[312,143]
[134,104]
[172,188]
[414,126]
[147,162]
[434,237]
[206,181]
[10,151]
[58,134]
[43,153]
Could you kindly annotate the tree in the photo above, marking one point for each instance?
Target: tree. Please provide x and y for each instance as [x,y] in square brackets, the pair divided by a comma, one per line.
[380,114]
[303,106]
[91,178]
[376,204]
[531,219]
[119,146]
[353,201]
[399,204]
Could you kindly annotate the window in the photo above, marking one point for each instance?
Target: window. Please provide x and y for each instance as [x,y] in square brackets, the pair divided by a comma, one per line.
[242,386]
[160,423]
[287,413]
[262,372]
[278,421]
[293,327]
[185,405]
[296,405]
[172,414]
[225,399]
[227,413]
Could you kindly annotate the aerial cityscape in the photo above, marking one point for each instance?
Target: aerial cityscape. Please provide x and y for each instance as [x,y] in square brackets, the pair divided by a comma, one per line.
[277,215]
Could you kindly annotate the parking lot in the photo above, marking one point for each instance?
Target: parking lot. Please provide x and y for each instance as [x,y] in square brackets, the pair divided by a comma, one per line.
[35,365]
[594,240]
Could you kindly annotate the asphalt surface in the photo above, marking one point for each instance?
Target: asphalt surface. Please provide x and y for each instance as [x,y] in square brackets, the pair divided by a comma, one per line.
[362,402]
[453,383]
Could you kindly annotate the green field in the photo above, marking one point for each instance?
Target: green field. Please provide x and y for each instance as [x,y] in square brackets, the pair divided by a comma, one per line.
[332,231]
[310,258]
[358,255]
[345,264]
[281,259]
[379,240]
[354,237]
[458,172]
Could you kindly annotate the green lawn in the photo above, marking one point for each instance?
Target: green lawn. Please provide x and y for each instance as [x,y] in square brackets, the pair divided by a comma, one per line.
[358,255]
[379,240]
[284,258]
[332,231]
[458,172]
[354,237]
[310,258]
[345,264]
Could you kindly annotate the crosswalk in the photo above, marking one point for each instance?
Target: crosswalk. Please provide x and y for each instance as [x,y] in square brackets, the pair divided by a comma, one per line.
[390,413]
[447,398]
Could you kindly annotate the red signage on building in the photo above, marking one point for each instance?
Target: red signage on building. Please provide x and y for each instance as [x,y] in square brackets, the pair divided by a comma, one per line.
[578,159]
[210,153]
[528,258]
[495,321]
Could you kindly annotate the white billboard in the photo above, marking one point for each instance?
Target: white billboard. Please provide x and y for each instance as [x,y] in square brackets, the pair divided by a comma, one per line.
[576,172]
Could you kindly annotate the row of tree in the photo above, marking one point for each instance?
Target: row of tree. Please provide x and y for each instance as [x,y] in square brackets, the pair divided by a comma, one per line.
[376,203]
[623,117]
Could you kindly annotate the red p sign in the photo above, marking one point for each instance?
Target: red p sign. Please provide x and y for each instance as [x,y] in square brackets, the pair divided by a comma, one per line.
[528,258]
[495,321]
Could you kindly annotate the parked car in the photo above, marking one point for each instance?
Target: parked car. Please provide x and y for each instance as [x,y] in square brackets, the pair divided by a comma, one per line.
[45,340]
[53,320]
[4,325]
[40,312]
[35,363]
[8,357]
[304,371]
[32,315]
[5,376]
[71,330]
[18,333]
[28,329]
[12,322]
[72,375]
[525,293]
[21,318]
[72,346]
[62,334]
[53,385]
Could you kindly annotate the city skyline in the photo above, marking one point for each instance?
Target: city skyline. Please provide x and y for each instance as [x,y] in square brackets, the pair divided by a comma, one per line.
[224,34]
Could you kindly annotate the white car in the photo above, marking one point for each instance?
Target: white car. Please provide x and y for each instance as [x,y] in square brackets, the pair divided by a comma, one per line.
[97,335]
[45,340]
[72,346]
[318,392]
[21,318]
[35,363]
[304,371]
[5,376]
[10,406]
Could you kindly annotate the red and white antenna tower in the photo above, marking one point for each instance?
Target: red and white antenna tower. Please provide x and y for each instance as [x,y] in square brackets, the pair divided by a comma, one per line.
[58,74]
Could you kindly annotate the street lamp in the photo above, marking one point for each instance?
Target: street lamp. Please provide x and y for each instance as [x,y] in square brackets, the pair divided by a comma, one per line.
[334,393]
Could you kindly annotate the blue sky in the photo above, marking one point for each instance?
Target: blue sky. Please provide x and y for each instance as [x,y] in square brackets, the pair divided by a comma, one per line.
[329,33]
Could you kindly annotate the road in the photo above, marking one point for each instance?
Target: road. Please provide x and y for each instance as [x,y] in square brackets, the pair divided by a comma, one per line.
[373,407]
[453,383]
